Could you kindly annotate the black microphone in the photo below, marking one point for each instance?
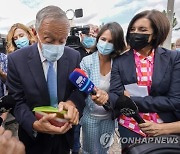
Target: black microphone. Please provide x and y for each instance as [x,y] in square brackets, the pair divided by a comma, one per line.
[6,103]
[83,83]
[1,121]
[129,108]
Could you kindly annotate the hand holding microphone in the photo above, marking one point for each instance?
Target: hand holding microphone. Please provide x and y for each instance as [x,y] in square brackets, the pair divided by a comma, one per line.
[6,103]
[82,82]
[101,96]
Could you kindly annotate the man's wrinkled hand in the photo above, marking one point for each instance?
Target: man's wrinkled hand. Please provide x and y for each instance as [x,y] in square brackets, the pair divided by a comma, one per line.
[72,114]
[43,125]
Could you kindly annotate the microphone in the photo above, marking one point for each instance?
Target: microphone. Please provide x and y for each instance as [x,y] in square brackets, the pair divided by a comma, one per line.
[1,121]
[6,103]
[129,108]
[79,78]
[80,71]
[82,82]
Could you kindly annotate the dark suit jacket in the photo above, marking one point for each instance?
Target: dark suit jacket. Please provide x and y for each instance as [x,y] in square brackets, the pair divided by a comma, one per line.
[27,85]
[164,95]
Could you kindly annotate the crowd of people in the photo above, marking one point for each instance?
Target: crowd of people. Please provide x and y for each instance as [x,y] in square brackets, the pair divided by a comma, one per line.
[37,66]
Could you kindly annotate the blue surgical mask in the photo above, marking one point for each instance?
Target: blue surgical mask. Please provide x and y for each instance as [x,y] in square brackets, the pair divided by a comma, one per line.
[22,42]
[52,52]
[178,49]
[88,42]
[105,48]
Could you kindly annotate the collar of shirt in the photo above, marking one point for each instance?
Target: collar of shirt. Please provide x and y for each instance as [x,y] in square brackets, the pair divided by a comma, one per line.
[150,58]
[45,63]
[40,53]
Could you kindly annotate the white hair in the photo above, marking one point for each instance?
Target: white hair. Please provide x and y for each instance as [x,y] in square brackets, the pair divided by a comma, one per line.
[52,12]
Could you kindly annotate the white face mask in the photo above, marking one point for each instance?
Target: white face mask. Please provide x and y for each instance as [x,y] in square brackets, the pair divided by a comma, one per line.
[22,42]
[52,52]
[104,48]
[178,49]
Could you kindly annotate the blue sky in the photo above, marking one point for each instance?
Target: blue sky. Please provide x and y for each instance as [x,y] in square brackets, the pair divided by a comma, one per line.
[94,11]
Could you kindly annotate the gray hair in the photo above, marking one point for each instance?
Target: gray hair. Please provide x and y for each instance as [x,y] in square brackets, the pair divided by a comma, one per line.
[52,12]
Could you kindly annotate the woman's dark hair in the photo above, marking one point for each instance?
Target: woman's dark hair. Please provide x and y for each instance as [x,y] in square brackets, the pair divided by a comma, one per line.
[159,23]
[117,38]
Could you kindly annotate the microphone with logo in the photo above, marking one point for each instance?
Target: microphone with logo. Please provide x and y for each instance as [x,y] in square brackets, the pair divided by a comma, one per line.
[129,108]
[6,104]
[79,78]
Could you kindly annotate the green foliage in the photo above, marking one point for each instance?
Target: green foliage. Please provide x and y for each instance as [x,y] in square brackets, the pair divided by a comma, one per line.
[175,22]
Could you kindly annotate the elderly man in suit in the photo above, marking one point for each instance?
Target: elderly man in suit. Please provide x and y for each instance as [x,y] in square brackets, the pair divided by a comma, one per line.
[30,70]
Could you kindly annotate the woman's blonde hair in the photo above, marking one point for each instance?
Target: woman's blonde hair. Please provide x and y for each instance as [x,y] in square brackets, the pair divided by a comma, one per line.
[10,46]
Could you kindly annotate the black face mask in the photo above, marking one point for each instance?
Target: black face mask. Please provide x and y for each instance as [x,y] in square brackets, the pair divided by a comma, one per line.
[138,41]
